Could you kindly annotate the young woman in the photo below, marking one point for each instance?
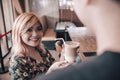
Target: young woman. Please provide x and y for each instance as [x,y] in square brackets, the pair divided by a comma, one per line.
[30,57]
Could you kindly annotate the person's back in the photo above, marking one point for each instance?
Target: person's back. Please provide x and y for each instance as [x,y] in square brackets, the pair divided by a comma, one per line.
[102,19]
[103,67]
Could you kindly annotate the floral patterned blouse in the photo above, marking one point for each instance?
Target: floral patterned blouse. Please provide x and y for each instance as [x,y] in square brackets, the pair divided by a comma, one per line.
[26,68]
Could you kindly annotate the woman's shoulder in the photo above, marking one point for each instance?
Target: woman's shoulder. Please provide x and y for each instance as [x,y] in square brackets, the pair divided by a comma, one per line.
[16,57]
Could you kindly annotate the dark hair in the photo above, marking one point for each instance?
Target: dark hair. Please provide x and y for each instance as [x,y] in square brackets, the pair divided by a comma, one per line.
[118,1]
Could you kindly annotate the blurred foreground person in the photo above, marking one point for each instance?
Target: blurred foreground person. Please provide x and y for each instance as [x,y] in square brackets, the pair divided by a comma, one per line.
[102,18]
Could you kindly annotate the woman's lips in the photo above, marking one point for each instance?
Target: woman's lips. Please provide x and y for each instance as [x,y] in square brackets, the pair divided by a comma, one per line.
[34,40]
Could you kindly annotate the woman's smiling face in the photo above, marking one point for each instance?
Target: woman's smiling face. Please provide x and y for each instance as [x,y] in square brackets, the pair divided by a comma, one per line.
[33,35]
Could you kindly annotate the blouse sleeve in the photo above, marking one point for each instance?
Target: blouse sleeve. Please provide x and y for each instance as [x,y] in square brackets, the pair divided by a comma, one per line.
[19,69]
[51,58]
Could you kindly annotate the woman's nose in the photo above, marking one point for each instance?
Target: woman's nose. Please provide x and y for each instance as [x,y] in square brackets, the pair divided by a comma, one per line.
[35,33]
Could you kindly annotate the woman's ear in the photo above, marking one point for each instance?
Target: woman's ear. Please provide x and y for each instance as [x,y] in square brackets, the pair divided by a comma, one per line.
[89,1]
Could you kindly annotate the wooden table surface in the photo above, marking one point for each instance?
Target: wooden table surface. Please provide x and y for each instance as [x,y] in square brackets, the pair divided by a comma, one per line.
[84,37]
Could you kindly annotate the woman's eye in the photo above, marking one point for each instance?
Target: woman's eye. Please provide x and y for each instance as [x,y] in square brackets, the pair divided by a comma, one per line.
[29,30]
[39,28]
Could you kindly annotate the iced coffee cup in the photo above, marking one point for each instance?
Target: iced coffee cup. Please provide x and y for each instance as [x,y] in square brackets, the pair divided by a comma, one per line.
[71,51]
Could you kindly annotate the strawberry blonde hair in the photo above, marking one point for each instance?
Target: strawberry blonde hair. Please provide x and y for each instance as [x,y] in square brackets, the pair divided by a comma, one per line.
[21,24]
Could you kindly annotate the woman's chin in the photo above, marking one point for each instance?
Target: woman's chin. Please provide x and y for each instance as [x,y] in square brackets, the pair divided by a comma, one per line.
[34,44]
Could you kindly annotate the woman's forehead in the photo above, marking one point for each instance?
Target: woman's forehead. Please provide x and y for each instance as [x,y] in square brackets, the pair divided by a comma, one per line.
[35,25]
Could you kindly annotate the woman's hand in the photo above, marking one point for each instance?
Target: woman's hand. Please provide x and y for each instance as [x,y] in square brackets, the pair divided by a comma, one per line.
[58,65]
